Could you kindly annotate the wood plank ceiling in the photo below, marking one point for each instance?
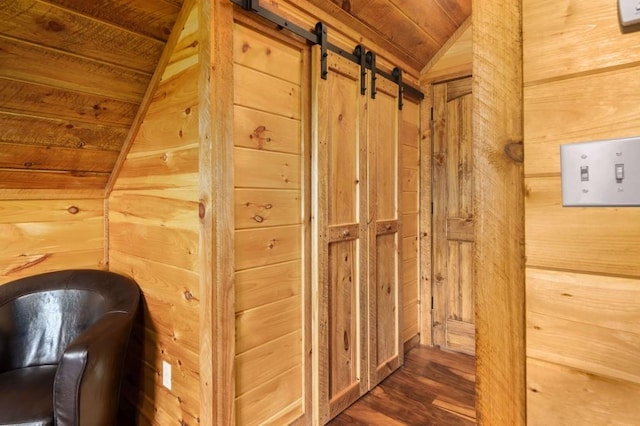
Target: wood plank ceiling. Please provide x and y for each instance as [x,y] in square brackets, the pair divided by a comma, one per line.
[416,28]
[73,74]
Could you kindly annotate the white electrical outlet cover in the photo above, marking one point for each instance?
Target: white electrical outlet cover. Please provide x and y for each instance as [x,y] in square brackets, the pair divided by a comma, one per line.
[166,375]
[629,12]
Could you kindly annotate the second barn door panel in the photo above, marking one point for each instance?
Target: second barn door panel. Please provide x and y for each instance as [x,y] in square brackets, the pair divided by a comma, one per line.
[356,235]
[385,354]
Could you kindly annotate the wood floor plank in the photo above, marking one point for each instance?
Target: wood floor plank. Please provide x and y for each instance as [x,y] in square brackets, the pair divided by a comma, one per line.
[434,387]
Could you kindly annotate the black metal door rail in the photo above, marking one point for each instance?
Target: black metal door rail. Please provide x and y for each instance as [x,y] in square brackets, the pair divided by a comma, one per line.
[366,59]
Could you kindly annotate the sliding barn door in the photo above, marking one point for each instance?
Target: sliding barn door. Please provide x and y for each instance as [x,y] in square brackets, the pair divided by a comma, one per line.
[384,290]
[453,312]
[340,160]
[356,235]
[341,230]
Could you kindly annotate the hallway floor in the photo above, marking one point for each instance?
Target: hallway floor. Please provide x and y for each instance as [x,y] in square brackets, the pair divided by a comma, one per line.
[432,388]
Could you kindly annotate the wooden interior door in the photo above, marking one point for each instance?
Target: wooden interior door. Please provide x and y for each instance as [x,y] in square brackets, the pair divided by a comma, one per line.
[356,276]
[453,304]
[385,354]
[340,236]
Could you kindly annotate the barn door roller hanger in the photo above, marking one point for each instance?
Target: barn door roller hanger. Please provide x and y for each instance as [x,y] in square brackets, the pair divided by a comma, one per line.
[366,60]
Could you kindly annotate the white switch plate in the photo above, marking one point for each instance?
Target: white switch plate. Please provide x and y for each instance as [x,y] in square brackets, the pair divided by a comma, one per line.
[166,375]
[600,162]
[629,12]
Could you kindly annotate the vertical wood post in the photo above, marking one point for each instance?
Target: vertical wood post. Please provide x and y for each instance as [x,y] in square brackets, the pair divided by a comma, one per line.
[425,197]
[217,319]
[499,228]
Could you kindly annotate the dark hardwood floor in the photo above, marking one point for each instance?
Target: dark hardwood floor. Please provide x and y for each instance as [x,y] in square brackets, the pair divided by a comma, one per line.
[432,388]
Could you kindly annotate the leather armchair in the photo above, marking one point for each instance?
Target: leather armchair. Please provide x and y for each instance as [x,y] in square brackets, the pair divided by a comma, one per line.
[63,340]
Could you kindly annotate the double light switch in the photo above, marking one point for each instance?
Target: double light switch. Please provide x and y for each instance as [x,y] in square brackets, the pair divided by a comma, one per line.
[602,173]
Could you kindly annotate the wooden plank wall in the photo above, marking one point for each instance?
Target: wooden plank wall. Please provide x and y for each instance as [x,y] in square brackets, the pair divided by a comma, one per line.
[41,235]
[271,144]
[409,139]
[153,227]
[583,264]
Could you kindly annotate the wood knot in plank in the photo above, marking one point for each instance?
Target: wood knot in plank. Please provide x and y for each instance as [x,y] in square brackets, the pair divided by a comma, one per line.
[188,295]
[52,25]
[259,134]
[73,210]
[245,47]
[346,5]
[258,218]
[346,341]
[515,151]
[201,210]
[28,164]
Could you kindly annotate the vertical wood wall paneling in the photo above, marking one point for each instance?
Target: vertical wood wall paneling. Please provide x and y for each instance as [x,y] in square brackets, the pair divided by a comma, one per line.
[583,274]
[499,228]
[45,235]
[270,94]
[409,140]
[153,237]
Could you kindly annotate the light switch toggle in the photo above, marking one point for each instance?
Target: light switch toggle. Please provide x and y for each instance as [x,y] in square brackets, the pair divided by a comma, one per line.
[584,173]
[619,173]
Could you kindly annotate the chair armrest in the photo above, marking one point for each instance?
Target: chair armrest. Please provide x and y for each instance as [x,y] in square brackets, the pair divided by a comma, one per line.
[88,378]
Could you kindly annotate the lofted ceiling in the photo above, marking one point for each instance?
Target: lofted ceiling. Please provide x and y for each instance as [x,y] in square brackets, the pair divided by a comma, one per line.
[74,73]
[417,29]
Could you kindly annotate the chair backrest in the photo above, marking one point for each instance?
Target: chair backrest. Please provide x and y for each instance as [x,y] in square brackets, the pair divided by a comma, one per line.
[42,314]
